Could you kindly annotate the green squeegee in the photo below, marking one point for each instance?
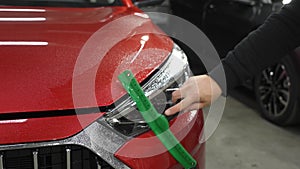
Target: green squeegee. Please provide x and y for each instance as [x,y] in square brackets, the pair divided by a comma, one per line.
[157,122]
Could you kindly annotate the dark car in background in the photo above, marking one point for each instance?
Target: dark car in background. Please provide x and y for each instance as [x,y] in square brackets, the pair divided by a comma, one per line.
[226,22]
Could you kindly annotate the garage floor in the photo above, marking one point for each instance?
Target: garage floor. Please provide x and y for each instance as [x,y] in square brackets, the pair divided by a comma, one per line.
[244,140]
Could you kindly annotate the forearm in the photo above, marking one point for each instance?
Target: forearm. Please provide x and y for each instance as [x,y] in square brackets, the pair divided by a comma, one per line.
[279,35]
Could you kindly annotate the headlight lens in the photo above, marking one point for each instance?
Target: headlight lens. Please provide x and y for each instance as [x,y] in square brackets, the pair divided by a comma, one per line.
[125,117]
[285,2]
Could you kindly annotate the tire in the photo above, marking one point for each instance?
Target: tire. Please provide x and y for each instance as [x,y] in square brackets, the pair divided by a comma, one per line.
[277,92]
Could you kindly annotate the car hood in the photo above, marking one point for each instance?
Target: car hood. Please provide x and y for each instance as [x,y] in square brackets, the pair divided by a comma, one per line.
[66,58]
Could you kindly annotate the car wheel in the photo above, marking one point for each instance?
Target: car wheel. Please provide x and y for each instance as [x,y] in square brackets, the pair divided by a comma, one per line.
[277,92]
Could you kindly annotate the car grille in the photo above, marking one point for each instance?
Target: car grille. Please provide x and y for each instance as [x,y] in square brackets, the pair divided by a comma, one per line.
[54,157]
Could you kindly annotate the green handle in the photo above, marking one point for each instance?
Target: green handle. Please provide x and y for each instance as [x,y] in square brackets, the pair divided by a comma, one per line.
[157,122]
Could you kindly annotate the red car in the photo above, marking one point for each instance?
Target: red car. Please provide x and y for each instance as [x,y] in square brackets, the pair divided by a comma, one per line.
[61,105]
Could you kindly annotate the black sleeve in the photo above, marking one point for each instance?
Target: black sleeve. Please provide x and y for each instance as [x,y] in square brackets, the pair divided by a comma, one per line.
[263,47]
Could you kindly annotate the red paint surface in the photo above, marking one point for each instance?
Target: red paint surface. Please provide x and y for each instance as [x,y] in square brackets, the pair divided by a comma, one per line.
[128,3]
[43,129]
[38,78]
[147,152]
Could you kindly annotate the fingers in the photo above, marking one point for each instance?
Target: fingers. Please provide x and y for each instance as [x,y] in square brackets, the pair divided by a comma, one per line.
[181,93]
[183,104]
[196,93]
[195,106]
[176,95]
[177,108]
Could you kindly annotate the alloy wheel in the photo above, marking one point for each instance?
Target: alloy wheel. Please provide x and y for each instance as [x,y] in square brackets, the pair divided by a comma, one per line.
[274,90]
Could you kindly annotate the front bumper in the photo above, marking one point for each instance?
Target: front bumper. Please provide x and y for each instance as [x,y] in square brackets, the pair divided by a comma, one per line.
[110,149]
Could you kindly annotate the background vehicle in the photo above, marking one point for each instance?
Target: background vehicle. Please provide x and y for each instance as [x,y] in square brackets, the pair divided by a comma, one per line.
[146,3]
[49,119]
[226,22]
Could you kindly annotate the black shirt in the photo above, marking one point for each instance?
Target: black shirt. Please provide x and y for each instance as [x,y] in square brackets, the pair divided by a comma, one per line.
[263,47]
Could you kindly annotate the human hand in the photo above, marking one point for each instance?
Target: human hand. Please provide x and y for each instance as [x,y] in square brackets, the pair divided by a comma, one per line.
[196,93]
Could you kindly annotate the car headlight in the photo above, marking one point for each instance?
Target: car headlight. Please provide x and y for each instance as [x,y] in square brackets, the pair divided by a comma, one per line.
[285,2]
[125,117]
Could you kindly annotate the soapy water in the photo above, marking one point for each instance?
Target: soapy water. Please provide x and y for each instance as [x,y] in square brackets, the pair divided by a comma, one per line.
[92,55]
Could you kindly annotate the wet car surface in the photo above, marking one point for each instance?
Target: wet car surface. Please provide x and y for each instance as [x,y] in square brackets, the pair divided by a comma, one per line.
[61,103]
